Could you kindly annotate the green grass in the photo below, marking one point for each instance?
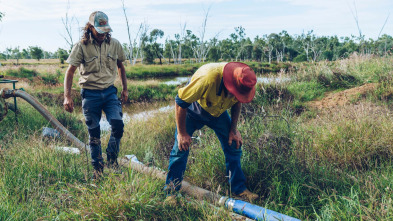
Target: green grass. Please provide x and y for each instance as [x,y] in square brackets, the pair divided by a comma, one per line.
[310,164]
[159,71]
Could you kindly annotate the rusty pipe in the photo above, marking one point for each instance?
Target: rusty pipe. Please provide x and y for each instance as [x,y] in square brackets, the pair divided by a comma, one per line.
[7,93]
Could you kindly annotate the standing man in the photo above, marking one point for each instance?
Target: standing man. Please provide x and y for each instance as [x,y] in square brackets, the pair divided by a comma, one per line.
[99,58]
[213,89]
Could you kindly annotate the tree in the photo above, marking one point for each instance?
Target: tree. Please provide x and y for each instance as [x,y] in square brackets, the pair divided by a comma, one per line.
[68,22]
[214,53]
[36,52]
[202,48]
[62,55]
[16,54]
[1,15]
[25,53]
[156,48]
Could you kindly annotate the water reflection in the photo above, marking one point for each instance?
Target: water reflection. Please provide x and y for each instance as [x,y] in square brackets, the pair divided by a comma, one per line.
[141,116]
[181,80]
[137,112]
[177,81]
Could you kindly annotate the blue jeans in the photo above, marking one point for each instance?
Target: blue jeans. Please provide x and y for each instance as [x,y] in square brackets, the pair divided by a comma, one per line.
[93,103]
[178,159]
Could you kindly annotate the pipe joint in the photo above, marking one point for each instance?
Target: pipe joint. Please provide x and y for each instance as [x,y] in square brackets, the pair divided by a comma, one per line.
[7,93]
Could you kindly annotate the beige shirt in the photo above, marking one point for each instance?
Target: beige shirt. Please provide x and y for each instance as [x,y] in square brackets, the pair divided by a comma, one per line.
[97,64]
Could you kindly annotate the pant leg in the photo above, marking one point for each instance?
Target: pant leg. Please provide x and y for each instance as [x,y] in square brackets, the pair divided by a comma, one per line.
[113,111]
[92,110]
[221,127]
[178,159]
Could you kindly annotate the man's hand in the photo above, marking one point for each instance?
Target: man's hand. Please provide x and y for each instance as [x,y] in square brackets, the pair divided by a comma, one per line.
[68,104]
[124,96]
[183,141]
[235,136]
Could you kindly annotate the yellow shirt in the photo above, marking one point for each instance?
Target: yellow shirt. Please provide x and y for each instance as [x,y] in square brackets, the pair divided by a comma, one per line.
[204,87]
[97,64]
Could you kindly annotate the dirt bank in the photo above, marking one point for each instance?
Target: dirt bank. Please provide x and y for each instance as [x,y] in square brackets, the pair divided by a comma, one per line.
[341,98]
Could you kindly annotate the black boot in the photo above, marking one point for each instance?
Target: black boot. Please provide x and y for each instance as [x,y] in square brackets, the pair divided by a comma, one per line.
[98,170]
[112,163]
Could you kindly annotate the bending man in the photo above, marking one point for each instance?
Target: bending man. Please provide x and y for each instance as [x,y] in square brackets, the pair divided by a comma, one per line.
[212,90]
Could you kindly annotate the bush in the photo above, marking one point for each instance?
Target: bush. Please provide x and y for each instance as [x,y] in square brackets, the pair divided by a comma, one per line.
[51,79]
[300,58]
[21,73]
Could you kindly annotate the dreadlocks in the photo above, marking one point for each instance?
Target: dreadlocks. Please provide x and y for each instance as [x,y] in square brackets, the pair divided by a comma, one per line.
[87,33]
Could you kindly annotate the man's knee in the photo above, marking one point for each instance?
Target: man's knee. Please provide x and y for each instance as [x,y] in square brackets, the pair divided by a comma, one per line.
[94,133]
[95,136]
[95,141]
[117,128]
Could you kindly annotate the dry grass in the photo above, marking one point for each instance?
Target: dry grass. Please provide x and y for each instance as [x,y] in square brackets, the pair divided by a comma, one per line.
[352,136]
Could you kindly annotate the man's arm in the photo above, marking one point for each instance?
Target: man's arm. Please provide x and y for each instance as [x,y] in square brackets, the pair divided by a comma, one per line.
[123,78]
[234,134]
[69,76]
[183,138]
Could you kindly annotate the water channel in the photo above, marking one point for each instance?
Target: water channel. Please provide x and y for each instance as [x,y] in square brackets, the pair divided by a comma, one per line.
[144,111]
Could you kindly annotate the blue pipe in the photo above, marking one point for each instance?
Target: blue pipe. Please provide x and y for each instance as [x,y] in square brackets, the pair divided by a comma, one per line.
[237,206]
[254,212]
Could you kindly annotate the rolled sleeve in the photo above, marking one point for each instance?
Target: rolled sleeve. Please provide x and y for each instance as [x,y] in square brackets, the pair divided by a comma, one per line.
[76,56]
[181,103]
[120,51]
[121,55]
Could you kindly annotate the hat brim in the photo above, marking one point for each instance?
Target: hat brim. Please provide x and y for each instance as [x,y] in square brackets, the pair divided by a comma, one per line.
[104,29]
[230,85]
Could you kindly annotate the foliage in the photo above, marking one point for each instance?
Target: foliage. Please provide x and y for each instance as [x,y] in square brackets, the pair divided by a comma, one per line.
[36,52]
[21,73]
[140,71]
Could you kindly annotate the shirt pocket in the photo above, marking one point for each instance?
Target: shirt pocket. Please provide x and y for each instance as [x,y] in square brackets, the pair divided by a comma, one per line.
[111,61]
[91,65]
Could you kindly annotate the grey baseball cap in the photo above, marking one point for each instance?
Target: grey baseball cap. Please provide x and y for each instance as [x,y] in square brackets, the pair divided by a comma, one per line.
[100,22]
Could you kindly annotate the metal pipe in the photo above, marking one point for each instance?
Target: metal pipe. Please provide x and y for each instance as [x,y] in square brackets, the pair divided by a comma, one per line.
[7,93]
[253,211]
[240,207]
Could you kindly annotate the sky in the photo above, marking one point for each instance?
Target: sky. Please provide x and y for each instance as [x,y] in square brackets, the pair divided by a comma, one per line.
[39,22]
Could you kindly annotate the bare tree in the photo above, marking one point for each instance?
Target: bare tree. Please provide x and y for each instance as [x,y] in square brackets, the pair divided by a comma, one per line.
[182,35]
[130,45]
[68,22]
[142,33]
[383,26]
[270,52]
[202,48]
[356,17]
[306,43]
[316,50]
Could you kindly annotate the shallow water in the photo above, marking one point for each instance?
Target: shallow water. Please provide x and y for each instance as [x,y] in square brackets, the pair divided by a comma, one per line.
[144,111]
[265,80]
[135,116]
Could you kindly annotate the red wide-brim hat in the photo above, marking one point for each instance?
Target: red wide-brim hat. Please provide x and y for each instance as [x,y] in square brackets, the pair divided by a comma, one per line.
[240,80]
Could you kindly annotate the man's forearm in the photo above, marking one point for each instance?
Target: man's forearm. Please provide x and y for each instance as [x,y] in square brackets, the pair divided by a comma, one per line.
[122,75]
[68,80]
[235,113]
[180,115]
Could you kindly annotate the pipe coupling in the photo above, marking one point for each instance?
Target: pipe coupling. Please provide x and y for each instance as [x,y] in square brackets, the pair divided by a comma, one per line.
[222,200]
[7,93]
[230,204]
